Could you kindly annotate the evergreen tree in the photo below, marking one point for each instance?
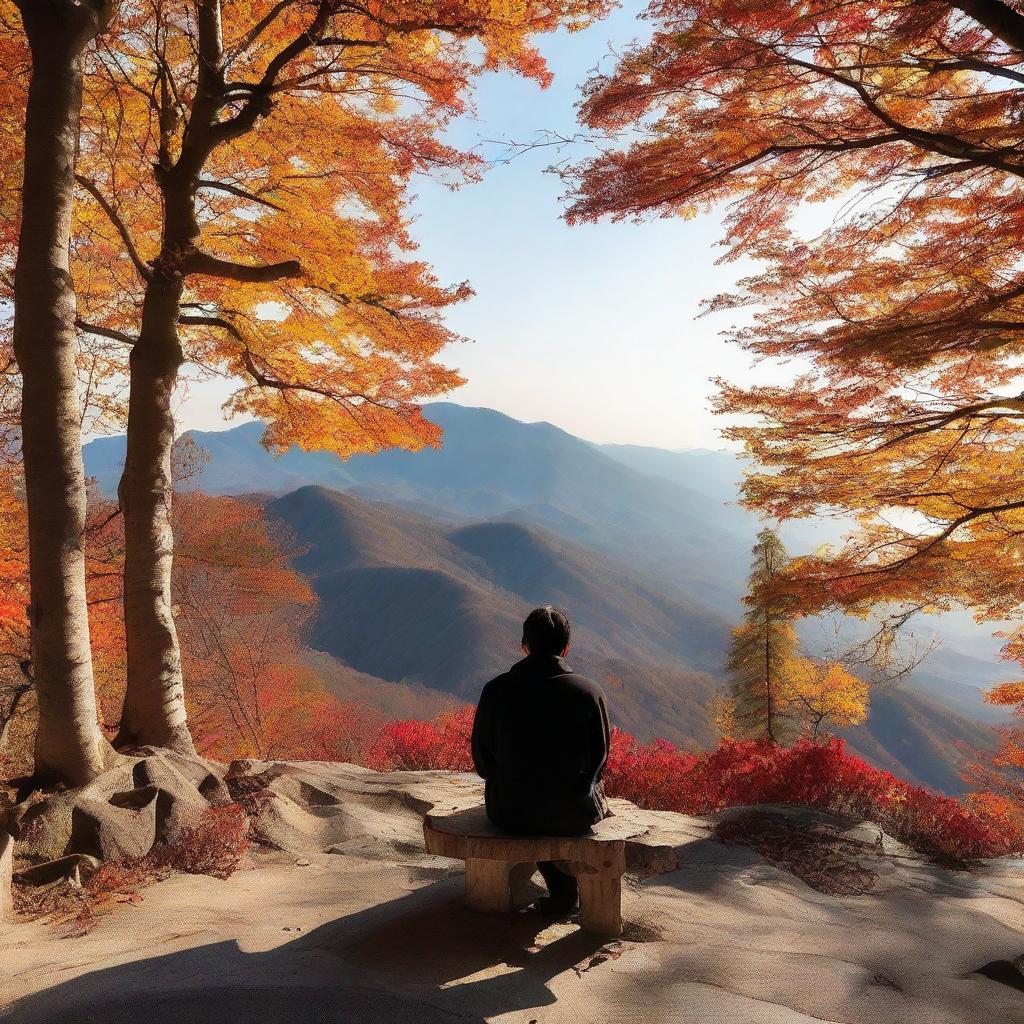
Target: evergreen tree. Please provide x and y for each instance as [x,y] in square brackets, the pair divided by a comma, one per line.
[763,651]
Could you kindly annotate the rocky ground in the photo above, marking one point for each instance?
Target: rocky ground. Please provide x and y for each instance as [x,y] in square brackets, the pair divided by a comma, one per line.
[340,916]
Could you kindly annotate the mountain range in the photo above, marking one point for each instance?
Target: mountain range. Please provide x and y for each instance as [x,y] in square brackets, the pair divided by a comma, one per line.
[424,564]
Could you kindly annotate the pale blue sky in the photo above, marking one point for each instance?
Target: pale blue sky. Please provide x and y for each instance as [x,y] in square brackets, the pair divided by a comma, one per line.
[593,328]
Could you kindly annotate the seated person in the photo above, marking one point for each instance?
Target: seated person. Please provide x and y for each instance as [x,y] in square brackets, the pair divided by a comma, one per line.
[540,740]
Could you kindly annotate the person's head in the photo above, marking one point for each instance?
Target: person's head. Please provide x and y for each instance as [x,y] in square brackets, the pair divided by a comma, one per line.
[546,632]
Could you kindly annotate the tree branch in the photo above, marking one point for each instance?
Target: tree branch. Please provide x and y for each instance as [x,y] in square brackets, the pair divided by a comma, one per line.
[145,271]
[203,263]
[929,141]
[192,320]
[105,332]
[236,190]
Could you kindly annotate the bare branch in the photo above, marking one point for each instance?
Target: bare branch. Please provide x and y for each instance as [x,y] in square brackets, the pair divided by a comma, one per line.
[236,190]
[105,332]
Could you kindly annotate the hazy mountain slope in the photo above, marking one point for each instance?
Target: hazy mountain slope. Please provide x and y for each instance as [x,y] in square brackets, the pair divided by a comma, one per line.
[625,609]
[431,608]
[958,681]
[717,476]
[917,738]
[410,600]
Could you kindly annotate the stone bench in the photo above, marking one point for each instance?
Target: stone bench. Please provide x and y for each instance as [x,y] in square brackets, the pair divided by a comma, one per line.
[499,864]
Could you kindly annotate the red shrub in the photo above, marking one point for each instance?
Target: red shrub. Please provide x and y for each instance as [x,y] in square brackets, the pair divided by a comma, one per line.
[824,776]
[443,743]
[650,776]
[215,846]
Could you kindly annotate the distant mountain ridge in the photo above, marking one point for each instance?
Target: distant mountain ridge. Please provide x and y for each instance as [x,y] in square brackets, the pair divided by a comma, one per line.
[492,465]
[425,562]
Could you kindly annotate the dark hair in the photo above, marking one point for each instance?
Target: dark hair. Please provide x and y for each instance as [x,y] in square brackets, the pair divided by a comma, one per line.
[546,631]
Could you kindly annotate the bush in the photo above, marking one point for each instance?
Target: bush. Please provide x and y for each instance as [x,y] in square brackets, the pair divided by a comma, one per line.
[443,743]
[213,847]
[659,776]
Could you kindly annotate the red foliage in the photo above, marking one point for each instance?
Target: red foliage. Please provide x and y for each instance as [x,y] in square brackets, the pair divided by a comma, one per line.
[214,847]
[824,776]
[443,743]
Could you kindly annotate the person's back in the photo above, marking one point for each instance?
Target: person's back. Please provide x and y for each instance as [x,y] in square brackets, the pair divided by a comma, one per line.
[540,741]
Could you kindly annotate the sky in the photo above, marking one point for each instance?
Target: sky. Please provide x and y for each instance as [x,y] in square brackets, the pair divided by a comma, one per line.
[592,328]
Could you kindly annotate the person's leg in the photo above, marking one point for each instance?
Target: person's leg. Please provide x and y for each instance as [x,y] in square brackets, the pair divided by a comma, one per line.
[562,887]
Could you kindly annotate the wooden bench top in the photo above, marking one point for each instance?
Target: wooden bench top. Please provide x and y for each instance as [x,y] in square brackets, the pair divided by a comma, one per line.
[466,833]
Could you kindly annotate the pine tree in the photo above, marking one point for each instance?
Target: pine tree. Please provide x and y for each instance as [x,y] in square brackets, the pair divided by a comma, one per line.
[763,650]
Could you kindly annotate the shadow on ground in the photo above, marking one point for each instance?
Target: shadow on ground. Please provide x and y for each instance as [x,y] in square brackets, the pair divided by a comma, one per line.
[420,959]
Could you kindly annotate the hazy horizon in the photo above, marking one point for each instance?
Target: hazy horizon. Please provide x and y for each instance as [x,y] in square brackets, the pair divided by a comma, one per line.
[222,425]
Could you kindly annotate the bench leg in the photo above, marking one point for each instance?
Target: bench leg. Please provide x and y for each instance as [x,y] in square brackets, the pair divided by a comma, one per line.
[489,885]
[519,882]
[601,904]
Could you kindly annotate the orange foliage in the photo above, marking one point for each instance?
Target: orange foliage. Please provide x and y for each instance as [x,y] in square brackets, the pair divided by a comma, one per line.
[13,566]
[999,777]
[15,63]
[293,141]
[906,312]
[242,611]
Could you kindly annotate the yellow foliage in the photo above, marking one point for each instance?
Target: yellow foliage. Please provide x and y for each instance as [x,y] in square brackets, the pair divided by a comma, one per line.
[823,695]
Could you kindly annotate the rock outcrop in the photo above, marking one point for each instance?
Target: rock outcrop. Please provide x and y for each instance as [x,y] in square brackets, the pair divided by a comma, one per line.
[768,915]
[151,796]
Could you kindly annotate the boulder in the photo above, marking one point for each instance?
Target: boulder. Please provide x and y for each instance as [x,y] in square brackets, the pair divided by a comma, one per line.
[123,826]
[75,866]
[44,822]
[206,776]
[103,814]
[180,805]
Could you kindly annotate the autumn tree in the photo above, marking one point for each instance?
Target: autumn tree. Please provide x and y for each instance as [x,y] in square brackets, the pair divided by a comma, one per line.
[904,315]
[823,695]
[16,694]
[47,48]
[776,691]
[247,169]
[242,613]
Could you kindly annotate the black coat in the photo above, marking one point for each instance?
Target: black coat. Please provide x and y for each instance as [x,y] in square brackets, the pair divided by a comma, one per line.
[540,740]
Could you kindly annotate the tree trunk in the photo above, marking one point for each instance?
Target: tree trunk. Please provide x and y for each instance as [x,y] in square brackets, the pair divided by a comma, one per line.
[154,706]
[69,744]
